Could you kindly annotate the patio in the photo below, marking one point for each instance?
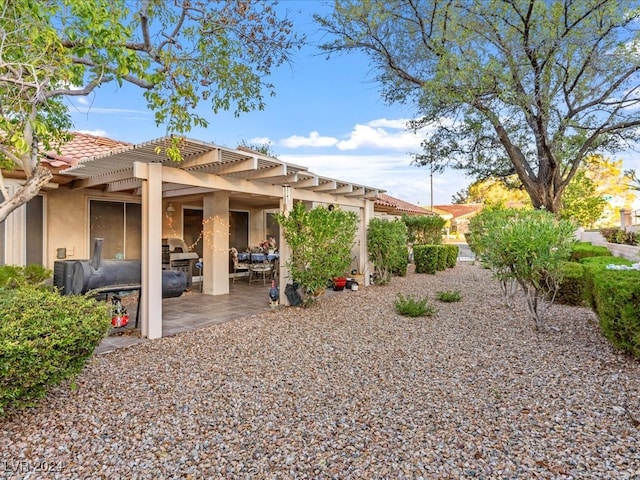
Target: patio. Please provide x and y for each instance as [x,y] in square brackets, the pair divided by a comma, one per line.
[193,310]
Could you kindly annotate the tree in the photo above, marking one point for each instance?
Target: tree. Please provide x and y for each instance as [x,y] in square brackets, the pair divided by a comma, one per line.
[179,53]
[632,176]
[610,185]
[525,87]
[580,202]
[494,191]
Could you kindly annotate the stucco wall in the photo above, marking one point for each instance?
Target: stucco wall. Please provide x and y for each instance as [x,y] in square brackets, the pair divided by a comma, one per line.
[67,221]
[629,252]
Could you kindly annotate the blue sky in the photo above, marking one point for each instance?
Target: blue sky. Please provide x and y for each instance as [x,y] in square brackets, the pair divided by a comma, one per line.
[327,115]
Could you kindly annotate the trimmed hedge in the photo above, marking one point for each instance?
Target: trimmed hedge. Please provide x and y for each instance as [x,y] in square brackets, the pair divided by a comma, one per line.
[452,255]
[592,264]
[572,289]
[617,299]
[425,258]
[443,256]
[582,250]
[45,338]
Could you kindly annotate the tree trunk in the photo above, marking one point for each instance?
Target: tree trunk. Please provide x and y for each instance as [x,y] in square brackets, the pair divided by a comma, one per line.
[41,176]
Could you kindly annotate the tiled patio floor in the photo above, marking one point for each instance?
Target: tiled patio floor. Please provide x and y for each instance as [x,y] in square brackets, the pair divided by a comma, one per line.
[193,310]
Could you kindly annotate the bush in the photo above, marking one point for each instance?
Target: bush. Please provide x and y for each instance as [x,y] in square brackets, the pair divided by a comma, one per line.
[582,250]
[388,251]
[449,296]
[411,307]
[452,255]
[443,257]
[424,229]
[572,290]
[321,240]
[45,338]
[529,247]
[618,235]
[425,257]
[593,264]
[617,299]
[32,274]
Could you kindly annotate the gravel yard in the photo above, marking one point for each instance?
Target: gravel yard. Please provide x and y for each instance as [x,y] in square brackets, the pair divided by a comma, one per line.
[349,390]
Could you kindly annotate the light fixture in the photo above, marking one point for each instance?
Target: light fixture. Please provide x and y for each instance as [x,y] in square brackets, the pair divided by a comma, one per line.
[169,211]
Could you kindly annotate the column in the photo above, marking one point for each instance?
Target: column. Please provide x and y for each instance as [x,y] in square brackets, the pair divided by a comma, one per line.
[216,243]
[286,205]
[151,294]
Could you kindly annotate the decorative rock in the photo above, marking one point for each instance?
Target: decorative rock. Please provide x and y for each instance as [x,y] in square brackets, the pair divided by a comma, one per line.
[313,393]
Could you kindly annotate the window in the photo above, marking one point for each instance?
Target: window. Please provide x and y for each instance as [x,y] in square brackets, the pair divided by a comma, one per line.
[239,230]
[272,228]
[35,230]
[22,238]
[119,224]
[192,229]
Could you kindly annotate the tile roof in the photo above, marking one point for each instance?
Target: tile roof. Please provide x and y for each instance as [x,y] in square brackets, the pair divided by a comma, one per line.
[393,205]
[82,146]
[460,210]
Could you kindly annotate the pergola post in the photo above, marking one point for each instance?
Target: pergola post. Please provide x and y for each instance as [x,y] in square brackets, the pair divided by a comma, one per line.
[286,205]
[368,214]
[151,261]
[215,234]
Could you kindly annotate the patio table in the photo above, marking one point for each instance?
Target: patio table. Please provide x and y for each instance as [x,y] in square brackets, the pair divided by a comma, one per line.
[257,257]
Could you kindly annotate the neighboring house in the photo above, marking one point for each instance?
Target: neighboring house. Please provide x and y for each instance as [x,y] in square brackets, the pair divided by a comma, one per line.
[458,215]
[133,197]
[388,206]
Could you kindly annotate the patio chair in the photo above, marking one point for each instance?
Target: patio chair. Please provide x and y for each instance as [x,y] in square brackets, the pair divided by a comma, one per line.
[238,266]
[264,270]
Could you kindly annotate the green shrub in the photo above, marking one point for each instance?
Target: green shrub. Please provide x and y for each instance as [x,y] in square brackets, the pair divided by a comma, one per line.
[388,250]
[443,257]
[320,240]
[617,300]
[528,247]
[592,264]
[424,229]
[452,255]
[425,258]
[582,250]
[449,296]
[32,274]
[572,289]
[412,307]
[620,236]
[45,338]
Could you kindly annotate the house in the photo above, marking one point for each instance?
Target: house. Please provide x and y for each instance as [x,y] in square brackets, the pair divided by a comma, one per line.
[458,215]
[133,196]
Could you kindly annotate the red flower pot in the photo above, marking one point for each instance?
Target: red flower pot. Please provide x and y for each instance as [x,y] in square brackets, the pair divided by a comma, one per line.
[339,283]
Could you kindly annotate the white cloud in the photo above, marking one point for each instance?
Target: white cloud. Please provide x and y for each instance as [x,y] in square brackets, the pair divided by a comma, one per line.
[313,140]
[393,173]
[97,132]
[367,136]
[260,141]
[398,123]
[378,134]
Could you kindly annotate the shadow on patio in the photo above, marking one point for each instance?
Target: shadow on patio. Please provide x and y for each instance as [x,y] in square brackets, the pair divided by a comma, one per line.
[193,310]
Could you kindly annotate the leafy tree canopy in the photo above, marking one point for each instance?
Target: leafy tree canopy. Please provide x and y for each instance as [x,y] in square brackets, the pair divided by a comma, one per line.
[180,53]
[525,87]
